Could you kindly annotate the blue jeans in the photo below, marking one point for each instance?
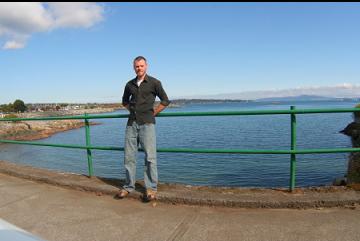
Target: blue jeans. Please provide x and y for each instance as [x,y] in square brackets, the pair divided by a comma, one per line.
[146,137]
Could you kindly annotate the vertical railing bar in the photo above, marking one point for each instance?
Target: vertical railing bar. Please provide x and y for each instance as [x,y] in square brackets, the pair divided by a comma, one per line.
[88,143]
[293,147]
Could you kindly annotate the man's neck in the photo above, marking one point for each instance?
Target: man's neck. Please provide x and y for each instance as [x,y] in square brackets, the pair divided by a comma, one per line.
[141,78]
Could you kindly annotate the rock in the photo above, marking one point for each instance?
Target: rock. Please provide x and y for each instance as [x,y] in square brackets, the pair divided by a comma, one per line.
[340,181]
[353,173]
[353,130]
[34,130]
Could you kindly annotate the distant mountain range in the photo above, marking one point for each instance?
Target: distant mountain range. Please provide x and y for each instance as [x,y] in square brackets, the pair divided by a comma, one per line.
[298,98]
[308,93]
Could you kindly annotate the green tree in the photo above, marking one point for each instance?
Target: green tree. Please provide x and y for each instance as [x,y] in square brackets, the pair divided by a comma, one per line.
[19,106]
[7,108]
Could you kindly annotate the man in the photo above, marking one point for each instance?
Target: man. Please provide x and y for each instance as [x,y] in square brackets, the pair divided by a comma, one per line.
[139,97]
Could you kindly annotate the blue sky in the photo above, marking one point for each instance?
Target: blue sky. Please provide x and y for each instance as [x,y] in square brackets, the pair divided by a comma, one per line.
[193,48]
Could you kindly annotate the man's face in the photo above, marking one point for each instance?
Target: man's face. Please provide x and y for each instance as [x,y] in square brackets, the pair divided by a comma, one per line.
[140,67]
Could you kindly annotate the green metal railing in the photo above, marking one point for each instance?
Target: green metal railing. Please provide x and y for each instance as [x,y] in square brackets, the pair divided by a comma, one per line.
[293,150]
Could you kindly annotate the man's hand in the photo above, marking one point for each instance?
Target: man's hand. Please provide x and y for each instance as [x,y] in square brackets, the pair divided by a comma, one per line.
[127,107]
[159,109]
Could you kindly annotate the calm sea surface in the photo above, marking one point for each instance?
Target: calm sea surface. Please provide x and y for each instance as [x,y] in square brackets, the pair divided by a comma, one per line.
[228,132]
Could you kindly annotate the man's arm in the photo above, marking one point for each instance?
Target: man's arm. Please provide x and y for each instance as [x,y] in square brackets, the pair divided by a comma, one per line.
[126,98]
[163,97]
[159,108]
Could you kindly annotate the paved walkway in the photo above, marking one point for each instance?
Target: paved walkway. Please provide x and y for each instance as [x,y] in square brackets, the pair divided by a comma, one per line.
[56,213]
[196,195]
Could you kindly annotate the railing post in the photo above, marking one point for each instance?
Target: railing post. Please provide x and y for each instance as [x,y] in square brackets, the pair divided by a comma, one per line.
[293,147]
[88,143]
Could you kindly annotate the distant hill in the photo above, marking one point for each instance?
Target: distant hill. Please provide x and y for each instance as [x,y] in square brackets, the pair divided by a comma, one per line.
[203,101]
[297,98]
[289,99]
[337,91]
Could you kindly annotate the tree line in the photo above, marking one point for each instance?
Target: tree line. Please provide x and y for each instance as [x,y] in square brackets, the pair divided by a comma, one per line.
[17,106]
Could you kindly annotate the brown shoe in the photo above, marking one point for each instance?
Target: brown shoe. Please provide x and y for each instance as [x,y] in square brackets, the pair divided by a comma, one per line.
[150,195]
[123,193]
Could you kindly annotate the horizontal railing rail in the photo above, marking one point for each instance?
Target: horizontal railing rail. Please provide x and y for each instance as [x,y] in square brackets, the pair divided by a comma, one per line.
[179,114]
[292,152]
[192,150]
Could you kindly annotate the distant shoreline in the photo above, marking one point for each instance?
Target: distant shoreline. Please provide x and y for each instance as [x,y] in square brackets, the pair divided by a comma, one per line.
[36,130]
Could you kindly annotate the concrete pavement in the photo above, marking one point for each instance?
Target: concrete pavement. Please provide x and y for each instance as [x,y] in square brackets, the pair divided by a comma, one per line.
[57,213]
[196,195]
[54,213]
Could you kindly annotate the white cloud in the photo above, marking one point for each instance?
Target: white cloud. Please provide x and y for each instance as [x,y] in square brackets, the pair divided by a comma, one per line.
[13,45]
[18,21]
[348,86]
[342,85]
[75,14]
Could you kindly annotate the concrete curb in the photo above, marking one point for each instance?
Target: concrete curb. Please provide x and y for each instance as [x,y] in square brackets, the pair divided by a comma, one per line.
[316,197]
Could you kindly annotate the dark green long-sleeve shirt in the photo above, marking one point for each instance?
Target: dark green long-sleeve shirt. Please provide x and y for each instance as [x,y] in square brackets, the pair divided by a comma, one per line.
[141,99]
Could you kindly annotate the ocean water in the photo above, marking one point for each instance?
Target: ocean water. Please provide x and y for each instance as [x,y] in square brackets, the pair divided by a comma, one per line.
[228,132]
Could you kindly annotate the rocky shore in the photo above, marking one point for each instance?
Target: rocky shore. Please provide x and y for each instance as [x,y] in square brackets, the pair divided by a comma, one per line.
[34,130]
[353,131]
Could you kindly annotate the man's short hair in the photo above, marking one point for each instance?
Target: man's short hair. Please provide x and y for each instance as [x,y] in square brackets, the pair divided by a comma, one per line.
[138,58]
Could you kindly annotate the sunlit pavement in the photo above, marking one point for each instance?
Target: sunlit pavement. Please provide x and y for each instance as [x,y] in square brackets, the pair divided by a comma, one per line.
[55,213]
